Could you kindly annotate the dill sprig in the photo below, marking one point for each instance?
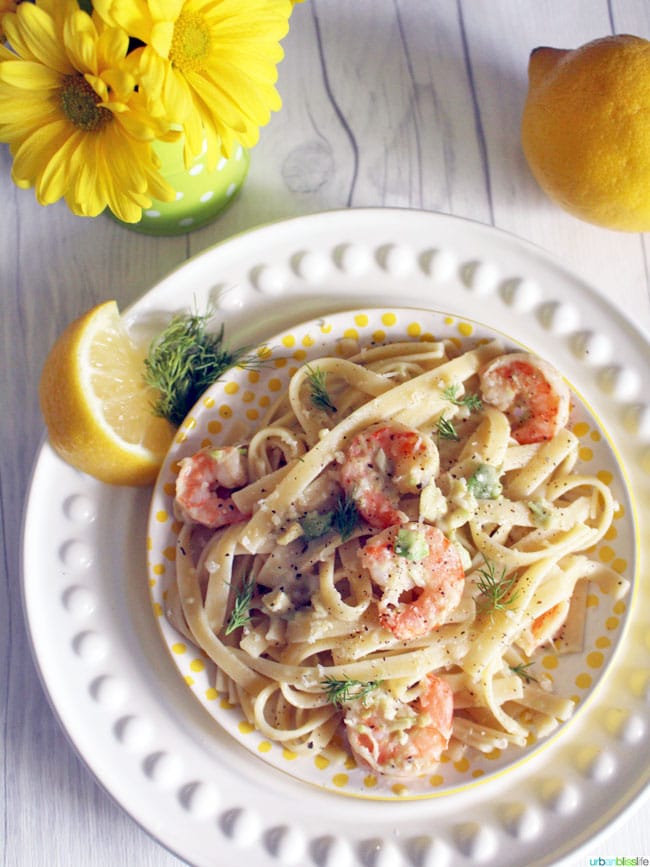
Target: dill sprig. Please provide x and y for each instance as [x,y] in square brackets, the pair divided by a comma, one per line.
[472,401]
[346,517]
[446,430]
[240,614]
[185,359]
[340,691]
[319,394]
[521,671]
[495,589]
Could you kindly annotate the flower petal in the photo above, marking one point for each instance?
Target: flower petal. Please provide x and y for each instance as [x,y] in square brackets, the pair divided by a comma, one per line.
[32,31]
[29,75]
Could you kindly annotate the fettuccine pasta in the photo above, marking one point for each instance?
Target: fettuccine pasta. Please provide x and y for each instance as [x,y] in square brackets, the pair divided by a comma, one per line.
[375,567]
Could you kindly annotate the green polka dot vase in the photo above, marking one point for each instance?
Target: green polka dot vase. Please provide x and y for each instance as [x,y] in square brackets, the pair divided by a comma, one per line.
[201,195]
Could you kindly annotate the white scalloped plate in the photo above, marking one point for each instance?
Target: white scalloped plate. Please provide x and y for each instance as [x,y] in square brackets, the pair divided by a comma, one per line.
[101,654]
[228,413]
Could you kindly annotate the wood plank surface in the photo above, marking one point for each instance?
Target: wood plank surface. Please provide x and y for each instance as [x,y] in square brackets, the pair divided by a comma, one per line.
[407,103]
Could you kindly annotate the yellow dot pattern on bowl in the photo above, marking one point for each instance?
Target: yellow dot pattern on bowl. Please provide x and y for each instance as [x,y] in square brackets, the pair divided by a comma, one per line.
[606,554]
[584,680]
[595,659]
[236,401]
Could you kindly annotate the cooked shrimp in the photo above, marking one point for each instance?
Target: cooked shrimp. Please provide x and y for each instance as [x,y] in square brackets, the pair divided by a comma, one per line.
[383,462]
[402,739]
[530,392]
[547,625]
[421,575]
[205,482]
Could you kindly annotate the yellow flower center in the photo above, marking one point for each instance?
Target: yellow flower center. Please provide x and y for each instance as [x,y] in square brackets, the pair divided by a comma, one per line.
[191,41]
[79,104]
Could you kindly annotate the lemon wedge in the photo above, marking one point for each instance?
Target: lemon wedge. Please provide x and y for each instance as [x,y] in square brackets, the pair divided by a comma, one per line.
[96,405]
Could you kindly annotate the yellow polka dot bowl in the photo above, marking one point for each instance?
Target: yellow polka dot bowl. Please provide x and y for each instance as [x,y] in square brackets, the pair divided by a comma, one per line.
[234,406]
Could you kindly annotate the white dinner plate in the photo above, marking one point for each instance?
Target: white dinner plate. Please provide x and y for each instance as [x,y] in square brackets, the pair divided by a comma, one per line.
[103,658]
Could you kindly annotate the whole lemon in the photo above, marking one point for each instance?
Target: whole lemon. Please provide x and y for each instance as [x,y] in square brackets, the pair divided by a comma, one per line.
[586,129]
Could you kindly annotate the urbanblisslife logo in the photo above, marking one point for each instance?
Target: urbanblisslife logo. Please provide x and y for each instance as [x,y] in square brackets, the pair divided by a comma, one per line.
[622,861]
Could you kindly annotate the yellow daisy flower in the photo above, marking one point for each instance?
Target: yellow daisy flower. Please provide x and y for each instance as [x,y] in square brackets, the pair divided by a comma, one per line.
[77,124]
[211,62]
[6,6]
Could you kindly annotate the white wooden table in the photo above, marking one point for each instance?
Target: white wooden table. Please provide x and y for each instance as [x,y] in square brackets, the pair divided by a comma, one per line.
[410,103]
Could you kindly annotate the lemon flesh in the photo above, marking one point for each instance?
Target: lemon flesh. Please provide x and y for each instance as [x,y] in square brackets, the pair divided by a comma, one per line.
[585,130]
[96,405]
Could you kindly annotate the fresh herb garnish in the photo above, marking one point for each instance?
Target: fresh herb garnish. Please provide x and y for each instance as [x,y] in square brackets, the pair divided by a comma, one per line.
[411,544]
[495,589]
[316,524]
[472,401]
[340,691]
[240,614]
[346,517]
[484,483]
[522,671]
[446,430]
[184,359]
[541,511]
[319,394]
